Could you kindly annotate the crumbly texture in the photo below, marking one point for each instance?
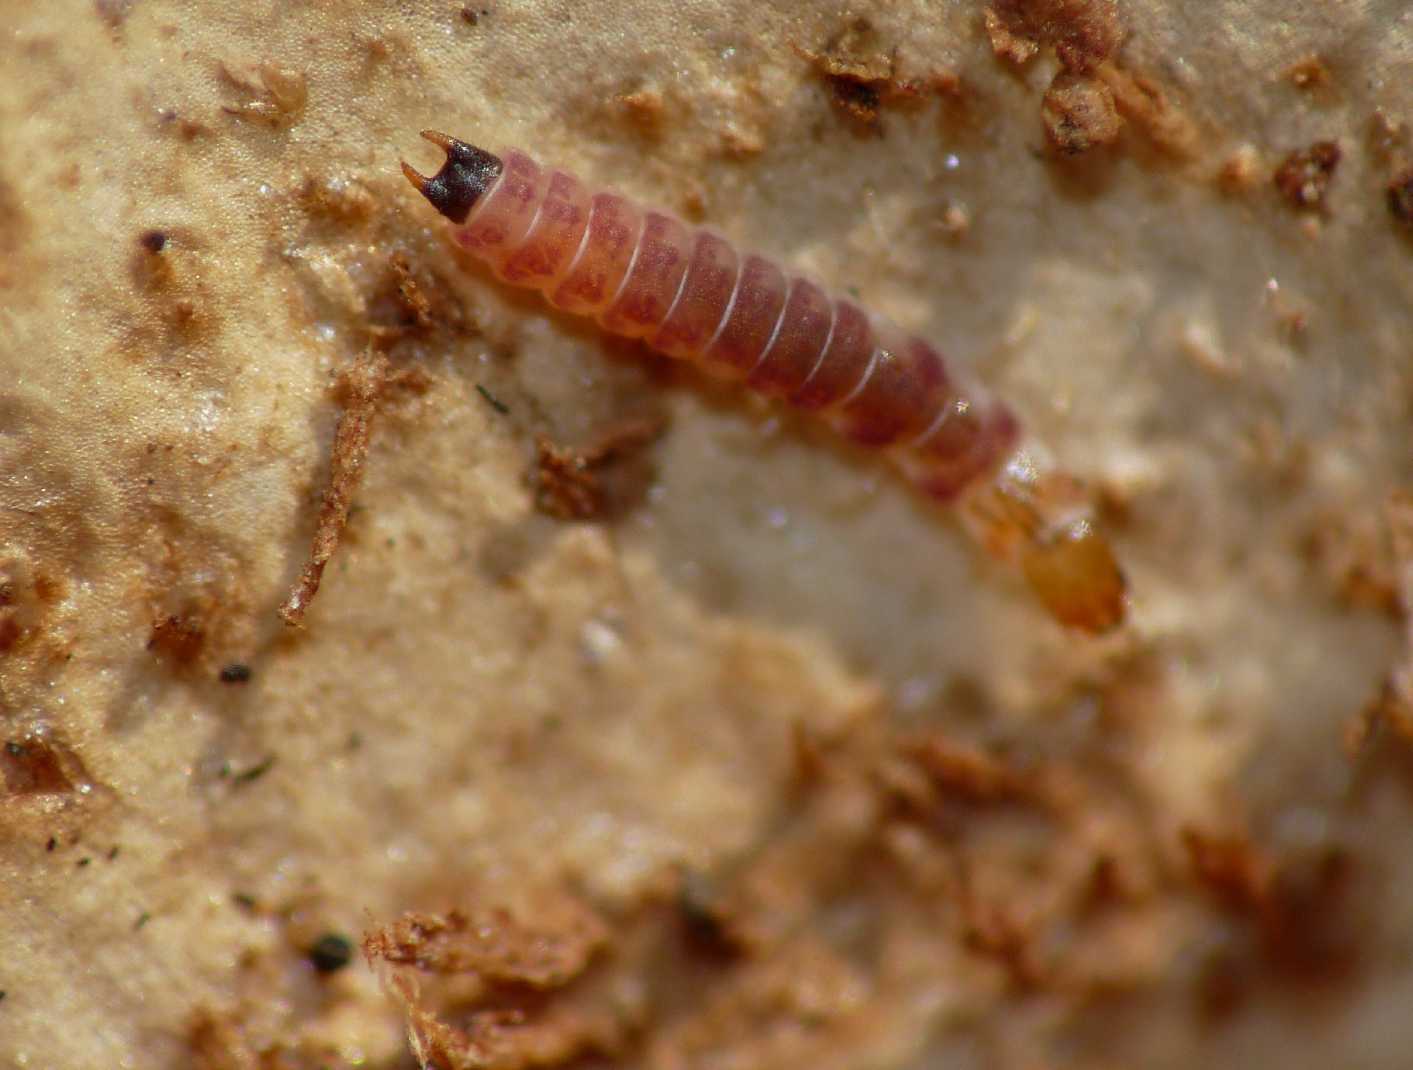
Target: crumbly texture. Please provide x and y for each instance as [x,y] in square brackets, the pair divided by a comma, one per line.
[735,753]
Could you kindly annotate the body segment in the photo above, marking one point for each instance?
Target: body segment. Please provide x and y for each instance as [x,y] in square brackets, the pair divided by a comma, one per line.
[690,294]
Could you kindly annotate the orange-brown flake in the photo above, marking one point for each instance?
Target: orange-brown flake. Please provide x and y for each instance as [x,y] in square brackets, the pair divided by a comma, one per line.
[410,295]
[1009,45]
[362,384]
[1400,198]
[492,944]
[1386,138]
[1311,72]
[1084,33]
[1151,111]
[1350,552]
[1238,173]
[861,76]
[1388,716]
[1304,177]
[1079,114]
[178,637]
[274,95]
[968,774]
[571,484]
[1230,868]
[336,198]
[40,764]
[517,1007]
[645,110]
[1296,903]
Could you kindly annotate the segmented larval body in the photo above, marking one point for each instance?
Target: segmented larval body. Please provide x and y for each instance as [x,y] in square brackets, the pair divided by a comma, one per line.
[689,293]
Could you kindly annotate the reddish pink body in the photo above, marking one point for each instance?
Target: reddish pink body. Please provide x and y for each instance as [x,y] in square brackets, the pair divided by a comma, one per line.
[688,293]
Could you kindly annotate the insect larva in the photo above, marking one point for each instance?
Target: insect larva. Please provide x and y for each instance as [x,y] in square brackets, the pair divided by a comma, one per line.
[689,293]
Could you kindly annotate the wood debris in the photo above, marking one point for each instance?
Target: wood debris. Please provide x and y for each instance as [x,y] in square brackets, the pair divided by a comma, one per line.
[1310,73]
[863,79]
[571,484]
[360,386]
[1079,114]
[1084,33]
[1303,177]
[1400,197]
[519,978]
[276,96]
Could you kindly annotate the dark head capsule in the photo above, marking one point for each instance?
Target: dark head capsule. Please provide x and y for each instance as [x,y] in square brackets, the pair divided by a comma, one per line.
[467,173]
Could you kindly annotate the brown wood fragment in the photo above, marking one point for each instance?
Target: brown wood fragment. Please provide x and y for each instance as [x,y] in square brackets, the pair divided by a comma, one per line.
[416,303]
[1079,114]
[569,483]
[359,388]
[40,764]
[236,1037]
[494,944]
[1304,176]
[11,631]
[967,773]
[278,95]
[530,1001]
[1310,72]
[1388,716]
[113,12]
[1400,197]
[1092,93]
[340,199]
[215,1042]
[1398,513]
[645,111]
[410,301]
[1142,102]
[1295,905]
[991,930]
[1310,935]
[1230,868]
[178,637]
[1084,33]
[1352,553]
[857,82]
[1386,138]
[1238,173]
[1006,43]
[1385,724]
[862,76]
[709,917]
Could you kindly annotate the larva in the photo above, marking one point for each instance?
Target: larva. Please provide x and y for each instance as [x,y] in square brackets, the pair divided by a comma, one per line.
[690,294]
